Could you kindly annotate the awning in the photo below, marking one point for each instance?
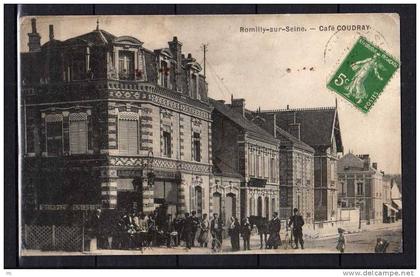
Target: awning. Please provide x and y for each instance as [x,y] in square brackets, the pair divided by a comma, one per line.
[398,203]
[125,185]
[391,208]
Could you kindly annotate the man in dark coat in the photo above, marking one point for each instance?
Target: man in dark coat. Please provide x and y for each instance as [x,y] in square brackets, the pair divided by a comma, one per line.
[196,225]
[297,221]
[188,229]
[274,229]
[216,229]
[246,232]
[178,226]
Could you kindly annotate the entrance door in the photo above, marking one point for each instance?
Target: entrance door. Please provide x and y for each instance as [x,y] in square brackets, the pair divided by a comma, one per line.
[230,206]
[267,208]
[259,206]
[198,193]
[217,203]
[166,191]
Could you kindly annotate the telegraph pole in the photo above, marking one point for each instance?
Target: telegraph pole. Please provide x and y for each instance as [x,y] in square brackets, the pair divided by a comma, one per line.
[204,47]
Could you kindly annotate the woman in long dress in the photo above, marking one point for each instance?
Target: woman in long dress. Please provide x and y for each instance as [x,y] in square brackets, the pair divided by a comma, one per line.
[203,238]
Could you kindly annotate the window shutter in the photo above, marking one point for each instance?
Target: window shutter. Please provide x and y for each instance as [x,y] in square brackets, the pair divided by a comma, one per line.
[78,137]
[132,135]
[123,136]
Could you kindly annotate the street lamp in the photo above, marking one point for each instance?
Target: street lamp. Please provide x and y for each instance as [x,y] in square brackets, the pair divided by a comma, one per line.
[359,205]
[148,166]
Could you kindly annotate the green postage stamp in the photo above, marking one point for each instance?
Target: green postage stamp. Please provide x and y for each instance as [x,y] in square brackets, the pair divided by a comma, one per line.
[363,74]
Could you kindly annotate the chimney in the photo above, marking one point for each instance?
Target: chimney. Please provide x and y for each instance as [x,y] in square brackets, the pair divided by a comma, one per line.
[175,46]
[238,105]
[294,128]
[287,107]
[375,166]
[51,32]
[34,42]
[366,161]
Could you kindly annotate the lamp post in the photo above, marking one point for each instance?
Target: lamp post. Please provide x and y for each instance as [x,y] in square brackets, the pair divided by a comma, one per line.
[359,205]
[146,172]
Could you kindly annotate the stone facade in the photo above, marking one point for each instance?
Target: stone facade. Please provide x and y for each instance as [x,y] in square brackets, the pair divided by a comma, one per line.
[361,185]
[242,148]
[296,167]
[320,129]
[108,123]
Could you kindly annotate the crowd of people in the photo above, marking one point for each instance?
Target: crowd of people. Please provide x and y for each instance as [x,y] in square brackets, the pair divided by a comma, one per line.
[136,230]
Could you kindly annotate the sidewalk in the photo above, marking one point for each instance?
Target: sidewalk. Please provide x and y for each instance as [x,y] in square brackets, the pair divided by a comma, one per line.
[357,243]
[332,232]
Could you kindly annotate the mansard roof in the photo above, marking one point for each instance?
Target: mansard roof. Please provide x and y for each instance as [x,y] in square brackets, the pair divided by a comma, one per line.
[318,125]
[350,162]
[243,123]
[96,37]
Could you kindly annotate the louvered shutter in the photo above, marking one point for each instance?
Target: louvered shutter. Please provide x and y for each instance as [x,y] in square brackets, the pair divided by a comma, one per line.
[78,136]
[123,136]
[132,136]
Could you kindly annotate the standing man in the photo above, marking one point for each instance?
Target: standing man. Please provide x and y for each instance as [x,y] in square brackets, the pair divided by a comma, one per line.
[203,238]
[274,229]
[216,229]
[246,232]
[297,221]
[188,229]
[195,227]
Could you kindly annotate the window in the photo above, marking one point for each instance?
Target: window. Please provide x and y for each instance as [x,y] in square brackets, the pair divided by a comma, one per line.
[126,65]
[194,93]
[78,69]
[359,188]
[164,74]
[257,166]
[166,144]
[272,169]
[251,206]
[197,199]
[251,163]
[196,147]
[54,138]
[78,133]
[128,135]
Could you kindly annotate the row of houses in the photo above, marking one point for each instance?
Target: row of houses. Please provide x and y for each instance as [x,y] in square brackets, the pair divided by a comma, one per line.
[110,124]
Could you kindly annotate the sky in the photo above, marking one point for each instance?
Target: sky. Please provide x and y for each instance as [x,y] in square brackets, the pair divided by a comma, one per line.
[271,70]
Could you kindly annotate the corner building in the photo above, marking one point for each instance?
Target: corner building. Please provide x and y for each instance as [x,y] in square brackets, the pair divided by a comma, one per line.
[111,124]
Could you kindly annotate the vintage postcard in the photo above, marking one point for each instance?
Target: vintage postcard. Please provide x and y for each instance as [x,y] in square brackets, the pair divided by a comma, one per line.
[227,134]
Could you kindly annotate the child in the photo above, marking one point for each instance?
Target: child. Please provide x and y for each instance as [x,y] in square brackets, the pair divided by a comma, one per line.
[341,241]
